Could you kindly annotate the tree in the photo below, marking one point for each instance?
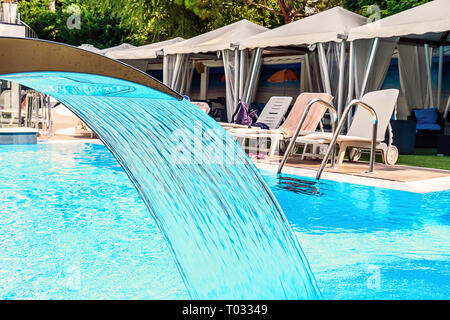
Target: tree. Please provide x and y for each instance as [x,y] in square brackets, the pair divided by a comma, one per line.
[291,10]
[49,20]
[108,23]
[153,20]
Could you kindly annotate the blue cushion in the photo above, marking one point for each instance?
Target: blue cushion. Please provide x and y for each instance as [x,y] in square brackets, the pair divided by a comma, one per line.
[426,116]
[428,126]
[427,119]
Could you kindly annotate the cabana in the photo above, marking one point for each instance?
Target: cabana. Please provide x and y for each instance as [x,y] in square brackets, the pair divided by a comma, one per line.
[123,46]
[321,39]
[147,52]
[140,57]
[416,33]
[91,48]
[180,58]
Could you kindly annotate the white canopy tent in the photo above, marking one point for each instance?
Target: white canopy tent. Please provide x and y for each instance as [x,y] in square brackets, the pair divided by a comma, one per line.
[139,57]
[91,48]
[328,30]
[148,51]
[322,27]
[178,59]
[217,40]
[123,46]
[416,23]
[415,32]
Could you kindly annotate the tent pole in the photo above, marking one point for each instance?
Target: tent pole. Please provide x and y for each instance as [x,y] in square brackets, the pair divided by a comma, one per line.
[447,108]
[183,79]
[369,66]
[253,75]
[204,79]
[189,79]
[428,60]
[351,79]
[308,72]
[247,70]
[241,74]
[236,78]
[176,71]
[324,68]
[166,70]
[341,78]
[441,68]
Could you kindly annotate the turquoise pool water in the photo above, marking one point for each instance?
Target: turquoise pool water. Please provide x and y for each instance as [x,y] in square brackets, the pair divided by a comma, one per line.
[72,226]
[227,233]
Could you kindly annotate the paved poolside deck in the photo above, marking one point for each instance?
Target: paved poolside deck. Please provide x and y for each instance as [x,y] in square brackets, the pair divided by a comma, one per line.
[405,178]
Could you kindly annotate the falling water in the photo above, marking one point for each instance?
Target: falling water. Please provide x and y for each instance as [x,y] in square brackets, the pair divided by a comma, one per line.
[227,233]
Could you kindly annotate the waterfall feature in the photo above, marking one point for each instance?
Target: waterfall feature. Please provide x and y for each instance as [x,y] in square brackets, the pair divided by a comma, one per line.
[228,235]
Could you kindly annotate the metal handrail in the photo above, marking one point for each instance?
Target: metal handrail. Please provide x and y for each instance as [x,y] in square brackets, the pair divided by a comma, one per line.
[300,124]
[339,129]
[29,32]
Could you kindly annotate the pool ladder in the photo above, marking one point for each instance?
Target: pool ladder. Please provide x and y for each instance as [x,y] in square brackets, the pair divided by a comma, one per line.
[336,129]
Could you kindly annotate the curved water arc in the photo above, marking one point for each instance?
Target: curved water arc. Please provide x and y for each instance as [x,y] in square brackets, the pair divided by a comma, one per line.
[296,274]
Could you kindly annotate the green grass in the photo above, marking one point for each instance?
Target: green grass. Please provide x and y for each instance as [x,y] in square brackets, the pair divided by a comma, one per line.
[425,158]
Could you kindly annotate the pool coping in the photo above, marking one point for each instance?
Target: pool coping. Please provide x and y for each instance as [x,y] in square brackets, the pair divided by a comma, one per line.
[417,186]
[68,141]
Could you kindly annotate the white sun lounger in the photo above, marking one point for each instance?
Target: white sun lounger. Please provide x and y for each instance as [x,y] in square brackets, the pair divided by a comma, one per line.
[359,134]
[272,114]
[287,129]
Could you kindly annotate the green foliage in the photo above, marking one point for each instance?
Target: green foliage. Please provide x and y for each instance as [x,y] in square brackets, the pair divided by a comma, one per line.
[387,7]
[96,28]
[219,13]
[110,22]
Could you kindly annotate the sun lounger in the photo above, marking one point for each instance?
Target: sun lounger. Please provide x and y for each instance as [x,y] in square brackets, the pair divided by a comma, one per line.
[287,129]
[359,135]
[204,106]
[272,114]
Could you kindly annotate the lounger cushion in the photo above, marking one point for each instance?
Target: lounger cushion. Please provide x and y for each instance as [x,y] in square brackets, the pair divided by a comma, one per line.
[428,126]
[326,138]
[427,119]
[253,133]
[313,118]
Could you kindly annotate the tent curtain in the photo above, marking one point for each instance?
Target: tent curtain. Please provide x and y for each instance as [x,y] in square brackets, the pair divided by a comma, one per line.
[252,73]
[383,57]
[231,73]
[9,12]
[310,79]
[177,72]
[330,67]
[333,59]
[168,69]
[240,86]
[185,77]
[413,79]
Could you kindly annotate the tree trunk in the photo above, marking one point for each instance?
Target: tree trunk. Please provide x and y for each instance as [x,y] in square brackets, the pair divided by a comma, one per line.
[285,11]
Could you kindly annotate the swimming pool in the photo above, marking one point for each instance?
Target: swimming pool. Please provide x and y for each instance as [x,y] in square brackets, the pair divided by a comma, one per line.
[72,226]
